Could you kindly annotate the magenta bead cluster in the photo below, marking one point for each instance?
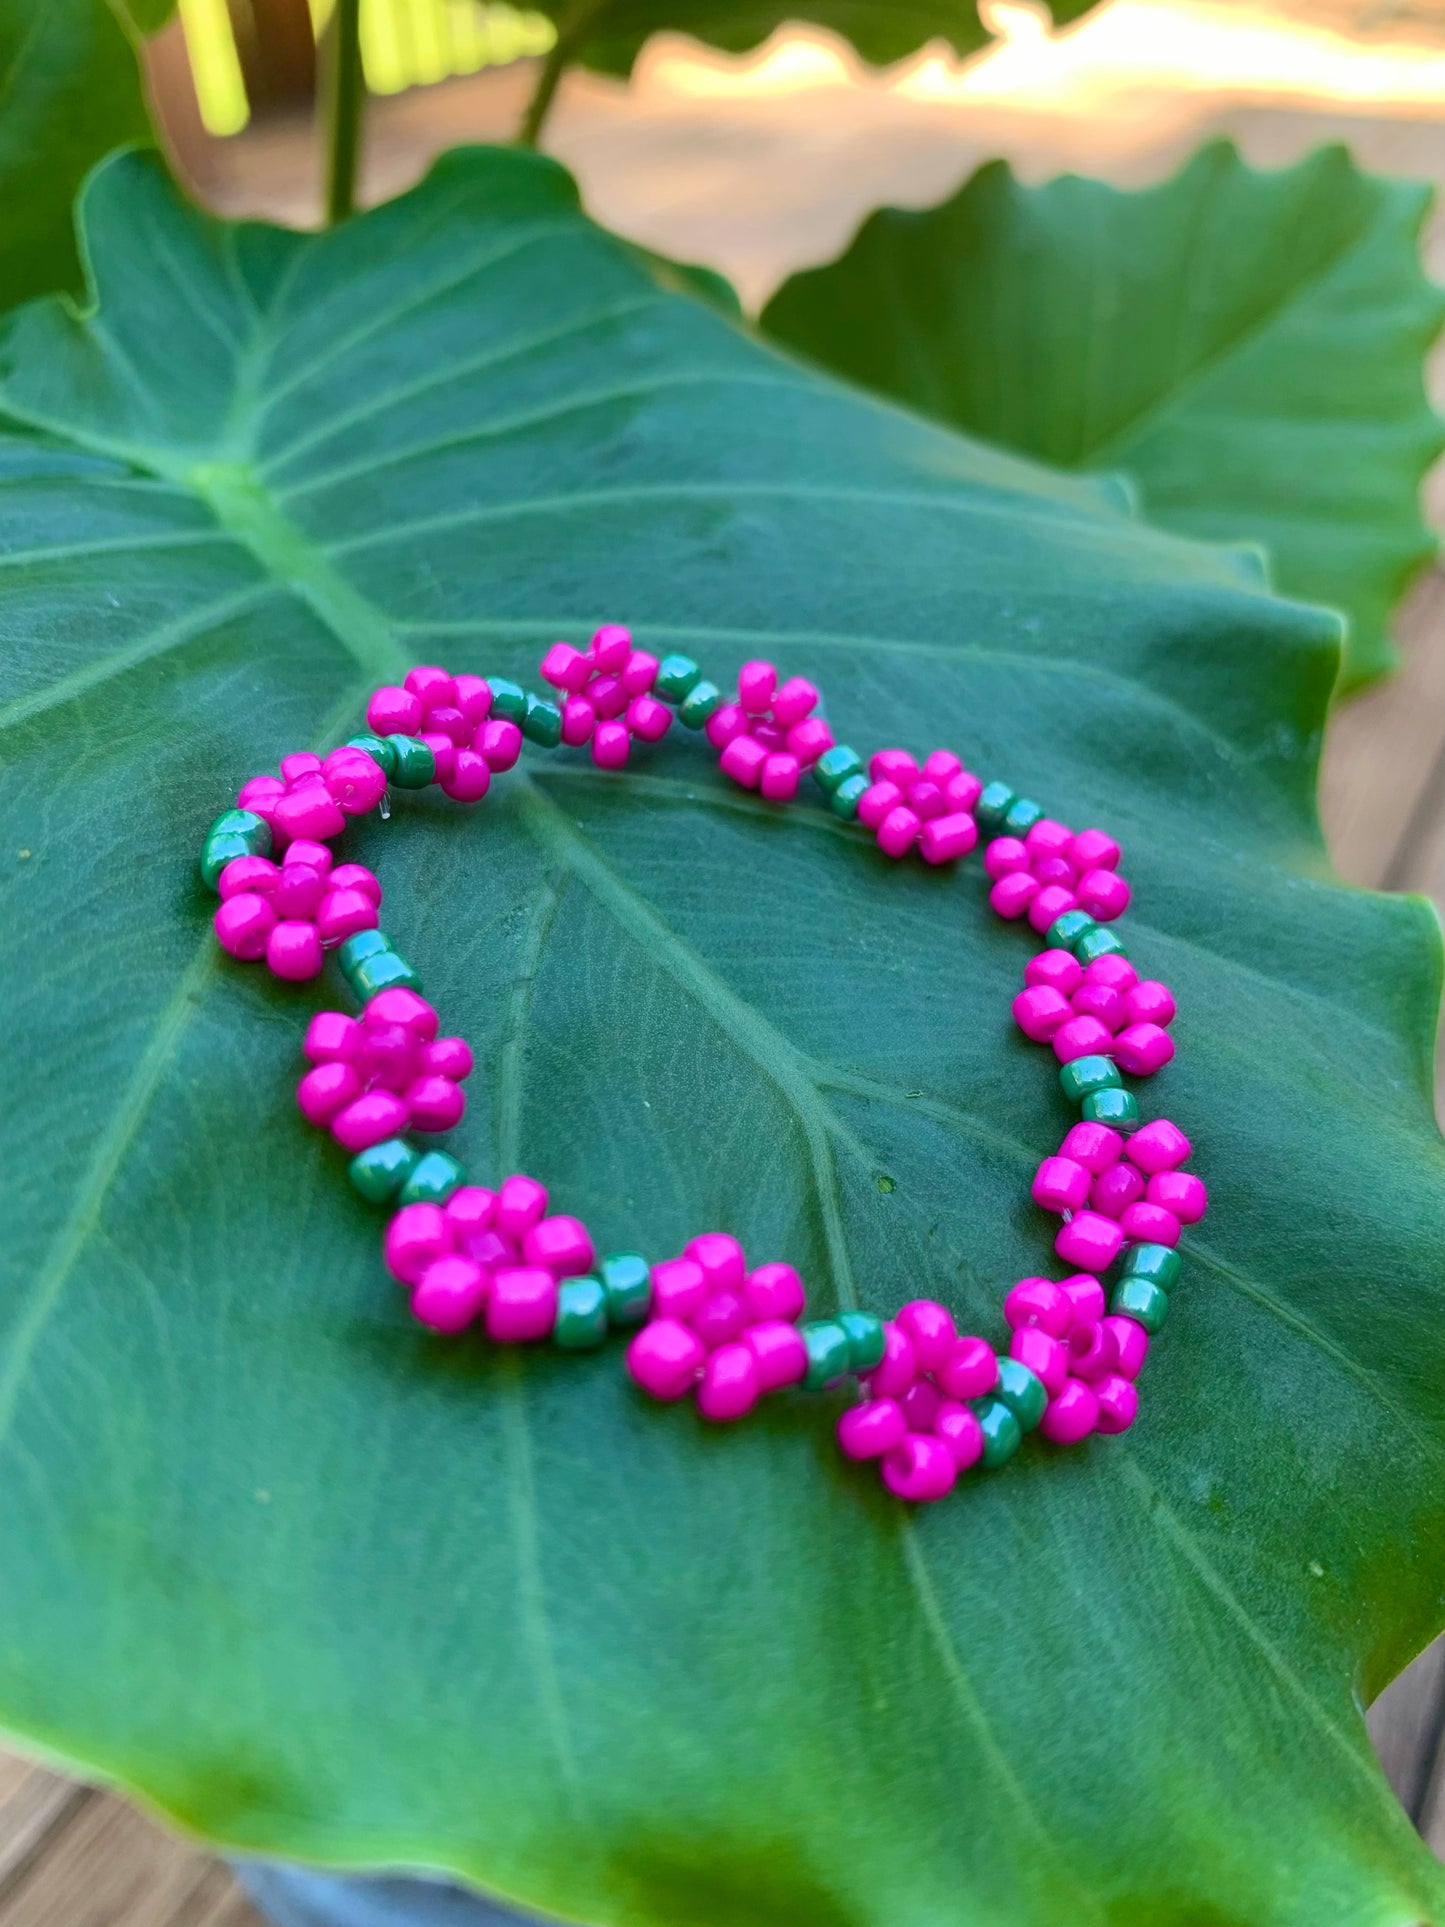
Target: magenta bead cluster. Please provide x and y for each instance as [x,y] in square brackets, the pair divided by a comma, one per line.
[930,1402]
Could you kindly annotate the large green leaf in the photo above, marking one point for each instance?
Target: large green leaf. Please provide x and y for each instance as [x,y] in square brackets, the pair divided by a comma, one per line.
[319,1586]
[1248,346]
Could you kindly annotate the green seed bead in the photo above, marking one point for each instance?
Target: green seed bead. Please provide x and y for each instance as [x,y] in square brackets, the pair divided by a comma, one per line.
[699,703]
[380,1171]
[1158,1265]
[1097,942]
[581,1315]
[627,1281]
[677,675]
[1022,1391]
[835,766]
[1002,1433]
[377,748]
[994,803]
[1118,1109]
[844,800]
[432,1179]
[1086,1075]
[1065,931]
[828,1353]
[414,765]
[509,700]
[234,833]
[385,971]
[1146,1304]
[218,851]
[1021,816]
[355,950]
[542,722]
[865,1337]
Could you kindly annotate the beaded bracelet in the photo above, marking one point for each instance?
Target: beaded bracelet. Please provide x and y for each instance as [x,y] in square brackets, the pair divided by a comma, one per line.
[933,1402]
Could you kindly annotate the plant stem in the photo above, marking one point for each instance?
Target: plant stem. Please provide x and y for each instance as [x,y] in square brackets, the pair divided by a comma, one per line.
[342,100]
[572,25]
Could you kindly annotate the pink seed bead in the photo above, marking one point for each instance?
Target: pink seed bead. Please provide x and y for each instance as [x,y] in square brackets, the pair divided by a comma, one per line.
[962,790]
[1094,1146]
[919,1405]
[1012,895]
[559,1245]
[780,1351]
[1041,1013]
[869,1430]
[521,1203]
[565,668]
[679,1288]
[1092,1350]
[921,1469]
[1089,1241]
[500,742]
[1053,869]
[448,721]
[969,1370]
[960,1431]
[893,766]
[473,698]
[243,925]
[491,1249]
[1131,1343]
[468,1210]
[448,1057]
[521,1305]
[1038,1302]
[1103,893]
[356,781]
[947,837]
[470,778]
[330,1036]
[665,1358]
[1118,1403]
[898,1367]
[1004,857]
[1061,1185]
[729,1388]
[724,724]
[404,1007]
[247,876]
[435,1103]
[416,1237]
[293,951]
[260,793]
[342,913]
[310,811]
[1085,1295]
[354,876]
[1114,1190]
[378,1115]
[1070,1415]
[795,700]
[1054,970]
[873,805]
[300,764]
[899,831]
[925,799]
[310,856]
[1101,1001]
[388,1056]
[1142,1049]
[808,740]
[1149,1003]
[932,1330]
[1047,1358]
[579,719]
[611,646]
[639,673]
[779,779]
[1051,903]
[450,1293]
[1150,1224]
[721,1317]
[1046,838]
[434,686]
[444,756]
[941,766]
[1115,971]
[1160,1146]
[1093,850]
[298,892]
[1181,1193]
[720,1259]
[756,683]
[326,1090]
[648,718]
[774,1291]
[1082,1037]
[743,761]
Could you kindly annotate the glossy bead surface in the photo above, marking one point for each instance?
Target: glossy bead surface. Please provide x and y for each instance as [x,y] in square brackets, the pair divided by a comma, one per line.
[957,1425]
[1002,1433]
[581,1315]
[1022,1391]
[432,1179]
[1158,1263]
[1149,1002]
[1089,1241]
[1146,1304]
[946,838]
[1097,943]
[679,1289]
[521,1305]
[1085,1075]
[450,1293]
[1011,896]
[1131,1345]
[1047,1358]
[383,971]
[1143,1049]
[380,1171]
[1117,1108]
[729,1388]
[776,1291]
[1094,1146]
[1160,1146]
[869,1430]
[969,1370]
[994,803]
[920,1469]
[326,1090]
[899,1367]
[1152,1223]
[1041,1013]
[700,702]
[243,925]
[1021,815]
[560,1245]
[415,1238]
[1058,970]
[628,1284]
[1116,1189]
[1118,1403]
[898,832]
[1180,1192]
[1061,1185]
[835,766]
[293,952]
[542,722]
[414,765]
[1070,1415]
[827,1345]
[1038,1303]
[677,675]
[1081,1037]
[369,1119]
[866,1337]
[780,1352]
[665,1358]
[931,1329]
[845,799]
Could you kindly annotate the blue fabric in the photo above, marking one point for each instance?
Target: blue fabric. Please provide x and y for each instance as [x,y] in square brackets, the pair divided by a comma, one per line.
[292,1897]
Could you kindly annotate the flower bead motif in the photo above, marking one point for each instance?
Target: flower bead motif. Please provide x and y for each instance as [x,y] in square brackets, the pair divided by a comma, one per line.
[383,1073]
[770,734]
[457,721]
[1102,1008]
[313,796]
[929,808]
[1050,871]
[1134,1186]
[291,913]
[606,694]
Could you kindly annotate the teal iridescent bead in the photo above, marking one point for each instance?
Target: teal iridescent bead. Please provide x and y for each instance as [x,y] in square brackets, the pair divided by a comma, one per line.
[845,799]
[382,1169]
[1146,1304]
[1086,1075]
[1097,943]
[994,803]
[378,748]
[1021,816]
[1065,931]
[509,700]
[385,971]
[866,1339]
[234,833]
[676,677]
[627,1281]
[1002,1433]
[1118,1109]
[581,1315]
[542,722]
[699,703]
[1022,1391]
[828,1353]
[356,949]
[414,765]
[835,766]
[432,1179]
[1157,1264]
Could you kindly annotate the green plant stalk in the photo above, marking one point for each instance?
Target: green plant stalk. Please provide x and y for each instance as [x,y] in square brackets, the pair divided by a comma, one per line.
[571,27]
[342,100]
